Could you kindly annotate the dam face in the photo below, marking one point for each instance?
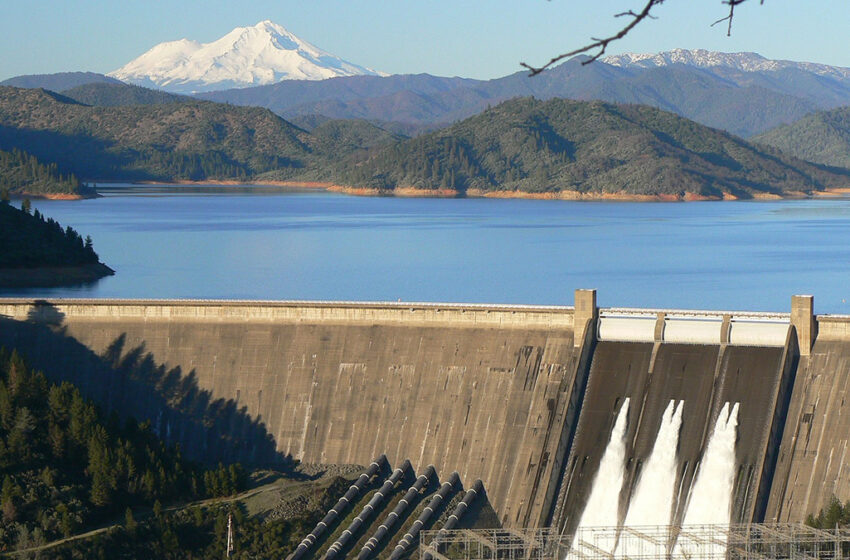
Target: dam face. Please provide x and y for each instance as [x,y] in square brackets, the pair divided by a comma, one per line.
[531,400]
[484,391]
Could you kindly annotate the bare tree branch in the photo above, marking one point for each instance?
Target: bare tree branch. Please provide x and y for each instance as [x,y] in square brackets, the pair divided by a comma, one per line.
[600,45]
[731,15]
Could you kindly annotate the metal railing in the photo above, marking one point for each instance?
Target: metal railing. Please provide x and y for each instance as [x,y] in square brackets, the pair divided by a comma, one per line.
[698,542]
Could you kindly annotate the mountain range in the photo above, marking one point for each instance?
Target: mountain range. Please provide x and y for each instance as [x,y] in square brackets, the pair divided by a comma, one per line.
[319,117]
[742,93]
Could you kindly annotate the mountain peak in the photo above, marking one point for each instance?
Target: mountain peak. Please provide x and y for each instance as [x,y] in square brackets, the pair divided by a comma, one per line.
[261,54]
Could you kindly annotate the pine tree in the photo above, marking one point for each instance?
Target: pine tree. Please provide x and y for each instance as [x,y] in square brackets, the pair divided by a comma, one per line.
[129,521]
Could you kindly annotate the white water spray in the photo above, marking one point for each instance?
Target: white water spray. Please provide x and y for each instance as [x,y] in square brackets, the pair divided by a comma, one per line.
[602,509]
[652,502]
[711,496]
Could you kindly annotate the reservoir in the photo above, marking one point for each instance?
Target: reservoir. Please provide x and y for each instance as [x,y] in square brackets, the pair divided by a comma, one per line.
[267,243]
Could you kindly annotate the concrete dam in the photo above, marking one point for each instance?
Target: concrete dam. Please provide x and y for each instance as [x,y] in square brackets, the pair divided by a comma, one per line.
[551,408]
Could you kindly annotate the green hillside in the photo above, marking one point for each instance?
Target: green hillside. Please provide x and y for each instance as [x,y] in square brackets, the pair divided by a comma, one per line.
[523,145]
[589,147]
[194,140]
[822,137]
[65,465]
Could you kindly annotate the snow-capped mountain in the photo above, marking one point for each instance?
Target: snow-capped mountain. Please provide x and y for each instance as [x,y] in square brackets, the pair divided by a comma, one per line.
[247,56]
[701,58]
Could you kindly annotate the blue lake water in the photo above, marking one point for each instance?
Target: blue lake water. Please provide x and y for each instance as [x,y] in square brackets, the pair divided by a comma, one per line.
[181,242]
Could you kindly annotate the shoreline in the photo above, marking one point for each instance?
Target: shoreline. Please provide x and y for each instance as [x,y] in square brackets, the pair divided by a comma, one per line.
[412,192]
[569,195]
[53,276]
[53,196]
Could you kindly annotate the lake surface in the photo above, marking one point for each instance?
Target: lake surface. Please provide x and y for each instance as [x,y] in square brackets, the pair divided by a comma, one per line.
[237,243]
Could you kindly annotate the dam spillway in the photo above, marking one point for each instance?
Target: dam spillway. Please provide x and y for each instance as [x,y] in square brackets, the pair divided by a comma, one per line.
[523,398]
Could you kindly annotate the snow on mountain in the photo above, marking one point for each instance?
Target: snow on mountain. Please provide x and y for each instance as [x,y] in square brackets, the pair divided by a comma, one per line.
[701,58]
[247,56]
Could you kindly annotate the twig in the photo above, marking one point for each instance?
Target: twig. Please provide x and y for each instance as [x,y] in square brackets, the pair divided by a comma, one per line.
[637,17]
[601,44]
[731,15]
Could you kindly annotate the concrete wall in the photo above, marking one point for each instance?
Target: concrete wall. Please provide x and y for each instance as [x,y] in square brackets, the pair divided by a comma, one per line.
[521,397]
[481,390]
[814,459]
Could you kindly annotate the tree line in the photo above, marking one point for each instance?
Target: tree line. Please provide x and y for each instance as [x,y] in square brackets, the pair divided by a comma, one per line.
[28,239]
[65,465]
[23,173]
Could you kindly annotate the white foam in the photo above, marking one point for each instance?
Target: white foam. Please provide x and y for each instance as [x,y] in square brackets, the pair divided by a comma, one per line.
[711,496]
[652,501]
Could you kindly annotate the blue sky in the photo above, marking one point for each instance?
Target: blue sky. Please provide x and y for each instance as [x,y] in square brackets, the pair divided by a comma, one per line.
[470,38]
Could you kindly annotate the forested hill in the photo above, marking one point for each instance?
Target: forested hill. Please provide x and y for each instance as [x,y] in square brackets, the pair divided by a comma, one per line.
[521,146]
[31,240]
[560,145]
[65,466]
[23,174]
[193,140]
[822,137]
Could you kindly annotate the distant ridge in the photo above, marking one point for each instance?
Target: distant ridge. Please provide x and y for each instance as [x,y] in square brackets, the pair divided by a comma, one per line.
[742,93]
[59,81]
[701,58]
[265,53]
[104,94]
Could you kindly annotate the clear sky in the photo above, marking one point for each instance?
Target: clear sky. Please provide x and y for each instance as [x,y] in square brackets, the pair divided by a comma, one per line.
[470,38]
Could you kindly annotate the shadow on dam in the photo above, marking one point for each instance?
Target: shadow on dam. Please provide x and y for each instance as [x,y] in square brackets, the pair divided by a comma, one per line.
[129,381]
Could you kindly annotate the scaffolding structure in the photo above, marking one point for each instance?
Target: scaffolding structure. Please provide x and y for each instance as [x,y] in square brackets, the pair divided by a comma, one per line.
[775,541]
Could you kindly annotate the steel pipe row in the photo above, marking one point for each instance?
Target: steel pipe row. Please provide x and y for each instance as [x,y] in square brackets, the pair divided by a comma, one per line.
[454,518]
[353,491]
[367,511]
[410,537]
[395,515]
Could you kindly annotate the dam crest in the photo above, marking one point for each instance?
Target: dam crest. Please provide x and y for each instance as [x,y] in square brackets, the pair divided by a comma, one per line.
[523,398]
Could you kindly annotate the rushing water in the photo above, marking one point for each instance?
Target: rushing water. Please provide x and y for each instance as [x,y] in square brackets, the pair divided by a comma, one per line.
[711,496]
[652,501]
[602,509]
[651,505]
[182,242]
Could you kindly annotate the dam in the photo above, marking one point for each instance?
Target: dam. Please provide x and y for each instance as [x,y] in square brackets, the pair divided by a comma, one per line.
[533,401]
